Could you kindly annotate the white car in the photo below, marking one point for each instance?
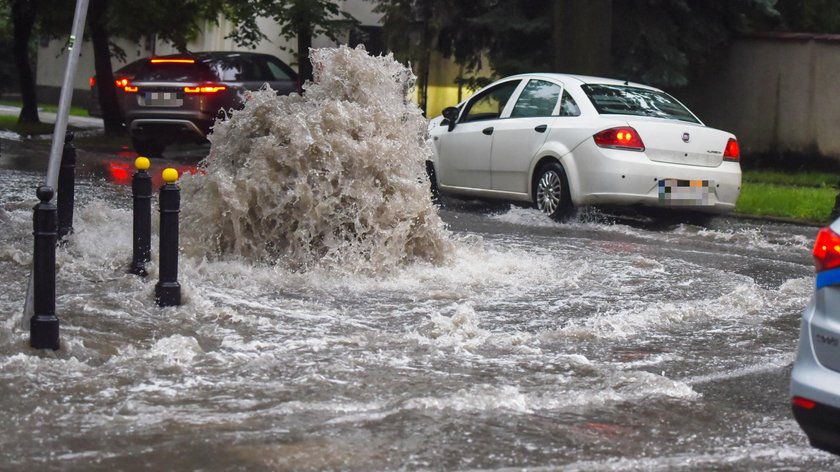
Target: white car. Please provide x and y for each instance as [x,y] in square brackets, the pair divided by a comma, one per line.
[562,141]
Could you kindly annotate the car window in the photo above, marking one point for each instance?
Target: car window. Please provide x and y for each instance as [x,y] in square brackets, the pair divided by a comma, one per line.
[489,104]
[279,70]
[627,100]
[568,107]
[538,98]
[175,72]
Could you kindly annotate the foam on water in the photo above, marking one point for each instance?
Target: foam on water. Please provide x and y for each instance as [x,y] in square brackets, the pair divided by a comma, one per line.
[333,178]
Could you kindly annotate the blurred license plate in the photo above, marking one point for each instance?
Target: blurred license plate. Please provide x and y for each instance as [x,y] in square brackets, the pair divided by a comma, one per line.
[678,192]
[162,99]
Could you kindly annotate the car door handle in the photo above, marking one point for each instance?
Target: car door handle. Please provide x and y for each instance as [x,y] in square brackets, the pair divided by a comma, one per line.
[487,131]
[541,128]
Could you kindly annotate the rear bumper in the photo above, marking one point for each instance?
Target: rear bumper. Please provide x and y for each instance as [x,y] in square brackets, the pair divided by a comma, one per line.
[166,129]
[822,426]
[607,176]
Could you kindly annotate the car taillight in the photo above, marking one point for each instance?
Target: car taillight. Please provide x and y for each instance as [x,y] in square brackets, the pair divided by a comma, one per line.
[826,250]
[92,81]
[623,137]
[206,89]
[173,61]
[122,82]
[803,403]
[732,152]
[131,88]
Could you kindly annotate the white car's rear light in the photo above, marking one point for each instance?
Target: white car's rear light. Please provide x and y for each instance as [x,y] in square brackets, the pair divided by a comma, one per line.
[732,151]
[623,137]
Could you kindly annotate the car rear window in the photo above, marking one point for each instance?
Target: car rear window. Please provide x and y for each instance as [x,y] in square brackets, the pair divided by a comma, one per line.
[627,100]
[248,69]
[175,72]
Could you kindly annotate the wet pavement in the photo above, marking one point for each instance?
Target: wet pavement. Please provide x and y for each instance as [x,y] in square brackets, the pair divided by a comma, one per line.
[610,342]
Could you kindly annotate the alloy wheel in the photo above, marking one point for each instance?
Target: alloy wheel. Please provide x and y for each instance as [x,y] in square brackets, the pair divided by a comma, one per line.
[549,192]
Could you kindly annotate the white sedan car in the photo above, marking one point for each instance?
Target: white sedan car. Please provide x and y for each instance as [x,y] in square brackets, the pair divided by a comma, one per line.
[563,141]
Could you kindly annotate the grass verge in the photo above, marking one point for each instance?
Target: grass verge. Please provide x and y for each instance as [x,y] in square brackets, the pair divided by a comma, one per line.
[788,201]
[10,122]
[74,111]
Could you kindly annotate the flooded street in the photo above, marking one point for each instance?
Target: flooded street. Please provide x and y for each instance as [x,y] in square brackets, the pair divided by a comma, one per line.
[603,343]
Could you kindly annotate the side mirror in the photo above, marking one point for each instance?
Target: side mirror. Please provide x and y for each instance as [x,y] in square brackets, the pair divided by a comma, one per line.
[451,115]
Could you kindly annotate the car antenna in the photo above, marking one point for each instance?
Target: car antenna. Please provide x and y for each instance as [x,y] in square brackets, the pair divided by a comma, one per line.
[626,82]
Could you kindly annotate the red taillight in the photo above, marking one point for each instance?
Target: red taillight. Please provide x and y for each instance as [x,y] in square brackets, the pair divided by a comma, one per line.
[624,137]
[803,403]
[732,152]
[131,88]
[122,82]
[827,250]
[205,89]
[92,81]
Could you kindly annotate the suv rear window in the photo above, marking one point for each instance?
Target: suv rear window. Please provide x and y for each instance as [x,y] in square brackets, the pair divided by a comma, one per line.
[248,69]
[175,72]
[626,100]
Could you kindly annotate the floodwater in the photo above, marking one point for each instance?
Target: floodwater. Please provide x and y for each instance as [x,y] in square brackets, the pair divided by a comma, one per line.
[401,337]
[588,345]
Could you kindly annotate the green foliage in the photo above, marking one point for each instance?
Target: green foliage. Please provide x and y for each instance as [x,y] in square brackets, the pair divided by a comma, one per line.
[812,16]
[660,42]
[803,203]
[800,179]
[666,42]
[319,17]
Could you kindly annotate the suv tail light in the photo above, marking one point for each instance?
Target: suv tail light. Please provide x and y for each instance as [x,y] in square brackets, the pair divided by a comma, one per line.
[732,152]
[92,81]
[121,82]
[623,137]
[205,89]
[130,88]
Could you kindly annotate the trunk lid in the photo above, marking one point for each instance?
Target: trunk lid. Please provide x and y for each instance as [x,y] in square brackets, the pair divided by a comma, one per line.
[681,142]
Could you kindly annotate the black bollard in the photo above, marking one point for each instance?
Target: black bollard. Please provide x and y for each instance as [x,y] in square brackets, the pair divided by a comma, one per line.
[66,187]
[168,290]
[43,326]
[141,186]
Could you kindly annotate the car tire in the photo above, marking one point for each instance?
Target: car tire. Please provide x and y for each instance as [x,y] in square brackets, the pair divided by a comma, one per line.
[147,147]
[551,191]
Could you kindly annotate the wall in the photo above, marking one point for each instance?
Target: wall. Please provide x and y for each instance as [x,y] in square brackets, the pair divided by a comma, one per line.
[776,93]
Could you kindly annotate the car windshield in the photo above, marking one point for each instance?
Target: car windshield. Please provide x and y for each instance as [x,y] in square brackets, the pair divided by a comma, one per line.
[626,100]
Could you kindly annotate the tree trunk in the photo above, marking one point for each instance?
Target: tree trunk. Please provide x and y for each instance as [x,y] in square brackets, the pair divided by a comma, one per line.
[304,42]
[104,73]
[23,18]
[426,51]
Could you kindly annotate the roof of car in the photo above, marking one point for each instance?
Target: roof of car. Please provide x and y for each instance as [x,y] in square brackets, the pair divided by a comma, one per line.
[208,54]
[583,79]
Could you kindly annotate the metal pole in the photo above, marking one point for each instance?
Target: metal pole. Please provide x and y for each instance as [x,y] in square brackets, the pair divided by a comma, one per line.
[66,187]
[60,129]
[43,326]
[66,91]
[168,290]
[141,186]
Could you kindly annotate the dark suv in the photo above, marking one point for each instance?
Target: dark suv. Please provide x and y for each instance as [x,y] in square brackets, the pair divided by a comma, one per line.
[177,98]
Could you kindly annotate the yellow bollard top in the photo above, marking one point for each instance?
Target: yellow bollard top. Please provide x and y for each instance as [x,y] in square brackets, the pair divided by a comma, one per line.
[170,175]
[142,163]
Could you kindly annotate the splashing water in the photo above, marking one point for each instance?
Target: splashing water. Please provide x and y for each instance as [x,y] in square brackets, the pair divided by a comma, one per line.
[333,178]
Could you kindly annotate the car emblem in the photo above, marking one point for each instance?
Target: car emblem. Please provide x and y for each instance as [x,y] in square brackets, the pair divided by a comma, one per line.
[686,137]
